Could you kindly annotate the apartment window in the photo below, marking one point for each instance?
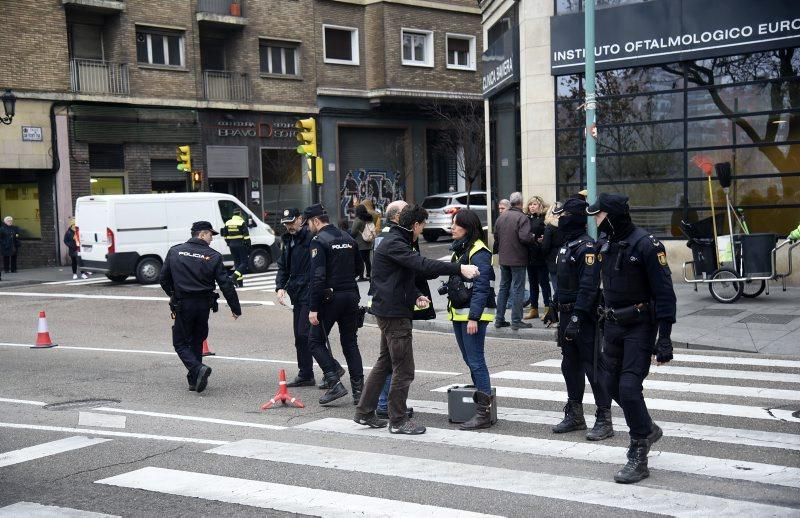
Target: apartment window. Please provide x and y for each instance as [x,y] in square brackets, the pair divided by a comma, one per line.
[340,45]
[159,47]
[461,51]
[417,47]
[280,57]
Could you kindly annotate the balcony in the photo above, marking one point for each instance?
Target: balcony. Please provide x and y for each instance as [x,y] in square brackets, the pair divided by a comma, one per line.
[221,85]
[96,6]
[223,13]
[98,77]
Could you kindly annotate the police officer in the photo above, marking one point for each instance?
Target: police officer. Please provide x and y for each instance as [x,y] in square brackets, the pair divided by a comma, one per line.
[333,298]
[639,305]
[576,300]
[292,279]
[188,276]
[237,236]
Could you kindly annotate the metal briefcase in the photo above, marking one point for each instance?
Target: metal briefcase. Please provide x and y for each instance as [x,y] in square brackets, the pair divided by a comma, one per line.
[461,407]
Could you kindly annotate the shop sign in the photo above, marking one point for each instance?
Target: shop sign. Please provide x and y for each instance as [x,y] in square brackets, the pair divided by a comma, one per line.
[500,64]
[668,31]
[31,134]
[250,129]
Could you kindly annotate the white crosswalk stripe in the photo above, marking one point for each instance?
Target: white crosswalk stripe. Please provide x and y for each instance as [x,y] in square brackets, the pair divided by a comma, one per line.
[34,510]
[45,450]
[735,360]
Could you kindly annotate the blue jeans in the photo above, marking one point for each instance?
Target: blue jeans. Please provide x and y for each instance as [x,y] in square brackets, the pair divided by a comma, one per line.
[512,286]
[539,277]
[383,400]
[472,351]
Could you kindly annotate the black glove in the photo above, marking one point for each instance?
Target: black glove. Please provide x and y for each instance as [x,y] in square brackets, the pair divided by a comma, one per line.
[663,350]
[573,327]
[551,317]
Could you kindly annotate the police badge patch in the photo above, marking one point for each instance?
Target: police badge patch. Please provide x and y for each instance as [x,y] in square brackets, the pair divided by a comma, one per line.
[662,258]
[589,259]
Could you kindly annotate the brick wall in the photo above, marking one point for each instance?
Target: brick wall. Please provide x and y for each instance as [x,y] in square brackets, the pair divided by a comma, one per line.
[334,75]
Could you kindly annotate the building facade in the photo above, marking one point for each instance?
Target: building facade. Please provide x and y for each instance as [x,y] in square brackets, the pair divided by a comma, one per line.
[108,89]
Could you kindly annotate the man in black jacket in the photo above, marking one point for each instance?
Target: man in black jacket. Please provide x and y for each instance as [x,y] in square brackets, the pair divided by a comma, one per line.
[188,276]
[395,267]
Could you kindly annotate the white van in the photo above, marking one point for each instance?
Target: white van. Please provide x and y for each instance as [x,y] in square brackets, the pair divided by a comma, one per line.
[130,234]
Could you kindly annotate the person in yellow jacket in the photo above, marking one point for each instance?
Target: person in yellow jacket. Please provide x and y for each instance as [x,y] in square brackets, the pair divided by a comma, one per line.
[472,309]
[237,236]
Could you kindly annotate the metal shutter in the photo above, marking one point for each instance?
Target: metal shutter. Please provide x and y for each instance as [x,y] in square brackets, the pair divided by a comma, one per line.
[227,162]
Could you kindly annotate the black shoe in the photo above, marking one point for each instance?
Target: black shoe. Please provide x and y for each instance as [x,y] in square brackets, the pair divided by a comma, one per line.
[602,428]
[636,468]
[407,427]
[483,412]
[334,393]
[357,384]
[191,388]
[516,326]
[202,378]
[573,418]
[324,384]
[501,323]
[301,382]
[370,420]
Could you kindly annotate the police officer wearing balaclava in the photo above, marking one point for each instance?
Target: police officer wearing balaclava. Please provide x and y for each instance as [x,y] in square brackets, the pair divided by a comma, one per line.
[576,300]
[639,306]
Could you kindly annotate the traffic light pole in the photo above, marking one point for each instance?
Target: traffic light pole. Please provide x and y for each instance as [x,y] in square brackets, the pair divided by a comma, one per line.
[314,186]
[591,105]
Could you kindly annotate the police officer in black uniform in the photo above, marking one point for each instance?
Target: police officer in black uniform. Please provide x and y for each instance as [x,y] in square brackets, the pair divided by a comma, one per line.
[639,306]
[333,299]
[576,302]
[188,277]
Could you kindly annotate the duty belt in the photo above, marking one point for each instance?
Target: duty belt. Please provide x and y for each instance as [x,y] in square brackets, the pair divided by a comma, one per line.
[566,308]
[607,313]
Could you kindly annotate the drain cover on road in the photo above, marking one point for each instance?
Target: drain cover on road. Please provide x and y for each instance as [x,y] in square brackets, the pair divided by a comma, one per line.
[764,318]
[80,403]
[717,312]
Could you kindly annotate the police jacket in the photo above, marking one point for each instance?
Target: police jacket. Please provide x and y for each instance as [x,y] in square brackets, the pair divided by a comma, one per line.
[236,232]
[482,303]
[191,269]
[578,273]
[294,265]
[335,263]
[395,266]
[635,270]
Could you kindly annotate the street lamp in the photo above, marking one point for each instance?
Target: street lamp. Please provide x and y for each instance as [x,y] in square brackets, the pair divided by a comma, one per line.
[9,104]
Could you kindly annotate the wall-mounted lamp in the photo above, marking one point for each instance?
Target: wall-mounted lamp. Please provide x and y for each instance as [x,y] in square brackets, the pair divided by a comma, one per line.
[9,105]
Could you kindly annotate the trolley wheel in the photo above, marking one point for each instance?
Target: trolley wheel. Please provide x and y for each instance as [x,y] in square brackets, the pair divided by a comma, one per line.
[726,292]
[752,289]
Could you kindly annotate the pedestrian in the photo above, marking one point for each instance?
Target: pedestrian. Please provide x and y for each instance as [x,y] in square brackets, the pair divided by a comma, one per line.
[538,276]
[70,240]
[552,240]
[237,236]
[9,244]
[333,299]
[639,304]
[364,232]
[394,294]
[576,301]
[472,309]
[188,277]
[503,205]
[512,237]
[375,213]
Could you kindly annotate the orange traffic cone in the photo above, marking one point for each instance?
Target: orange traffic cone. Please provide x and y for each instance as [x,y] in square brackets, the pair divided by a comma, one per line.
[207,350]
[43,340]
[282,395]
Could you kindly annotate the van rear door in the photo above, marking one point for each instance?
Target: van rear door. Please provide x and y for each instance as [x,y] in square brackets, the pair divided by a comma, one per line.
[92,220]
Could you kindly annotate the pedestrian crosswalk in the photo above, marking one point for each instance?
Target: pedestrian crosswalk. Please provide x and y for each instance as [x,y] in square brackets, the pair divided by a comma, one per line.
[731,447]
[259,282]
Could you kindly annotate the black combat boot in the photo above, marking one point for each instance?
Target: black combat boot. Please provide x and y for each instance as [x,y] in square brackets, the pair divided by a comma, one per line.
[636,468]
[654,436]
[483,412]
[357,384]
[336,391]
[573,418]
[324,384]
[602,428]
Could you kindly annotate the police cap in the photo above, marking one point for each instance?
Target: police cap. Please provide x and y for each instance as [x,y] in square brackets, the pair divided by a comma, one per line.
[573,205]
[290,215]
[197,226]
[613,204]
[314,211]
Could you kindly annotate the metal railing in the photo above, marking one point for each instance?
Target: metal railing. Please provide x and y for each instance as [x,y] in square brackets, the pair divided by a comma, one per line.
[96,76]
[221,7]
[221,85]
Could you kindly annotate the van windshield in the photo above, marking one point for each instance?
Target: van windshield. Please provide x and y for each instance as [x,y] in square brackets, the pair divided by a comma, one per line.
[228,207]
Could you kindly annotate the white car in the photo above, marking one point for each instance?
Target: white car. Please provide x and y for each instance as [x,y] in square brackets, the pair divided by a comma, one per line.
[442,207]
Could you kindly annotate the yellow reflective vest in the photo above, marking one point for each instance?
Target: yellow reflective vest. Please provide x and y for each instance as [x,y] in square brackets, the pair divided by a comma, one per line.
[462,314]
[235,231]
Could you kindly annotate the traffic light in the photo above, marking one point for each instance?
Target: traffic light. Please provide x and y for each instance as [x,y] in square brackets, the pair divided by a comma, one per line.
[307,136]
[184,157]
[197,177]
[310,169]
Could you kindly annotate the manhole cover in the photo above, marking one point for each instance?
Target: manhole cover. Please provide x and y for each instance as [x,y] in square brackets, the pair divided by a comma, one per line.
[80,403]
[763,318]
[717,312]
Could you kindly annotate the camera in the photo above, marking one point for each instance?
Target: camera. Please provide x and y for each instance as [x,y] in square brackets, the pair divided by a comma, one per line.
[442,290]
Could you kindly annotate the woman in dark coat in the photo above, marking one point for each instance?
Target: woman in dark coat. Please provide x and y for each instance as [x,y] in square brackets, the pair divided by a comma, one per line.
[364,221]
[72,246]
[538,277]
[9,244]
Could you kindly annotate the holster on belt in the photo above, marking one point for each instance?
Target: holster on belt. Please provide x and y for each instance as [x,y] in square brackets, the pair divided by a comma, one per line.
[629,315]
[174,307]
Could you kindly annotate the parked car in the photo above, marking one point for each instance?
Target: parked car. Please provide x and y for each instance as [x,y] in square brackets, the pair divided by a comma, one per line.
[441,208]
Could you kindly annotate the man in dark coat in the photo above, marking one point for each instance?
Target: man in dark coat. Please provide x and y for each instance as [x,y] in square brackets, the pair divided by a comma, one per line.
[9,244]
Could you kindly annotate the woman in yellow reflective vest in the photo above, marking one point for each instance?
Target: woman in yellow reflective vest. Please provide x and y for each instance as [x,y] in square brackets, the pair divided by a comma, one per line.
[471,309]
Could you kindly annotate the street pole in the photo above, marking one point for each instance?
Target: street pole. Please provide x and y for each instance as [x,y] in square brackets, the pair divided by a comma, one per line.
[314,186]
[590,106]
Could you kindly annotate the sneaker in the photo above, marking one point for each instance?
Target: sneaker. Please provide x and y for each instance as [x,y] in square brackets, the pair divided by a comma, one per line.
[84,276]
[74,275]
[520,325]
[501,323]
[202,378]
[370,420]
[407,427]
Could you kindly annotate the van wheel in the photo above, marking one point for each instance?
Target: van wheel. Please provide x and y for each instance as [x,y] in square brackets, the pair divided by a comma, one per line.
[148,270]
[259,260]
[117,278]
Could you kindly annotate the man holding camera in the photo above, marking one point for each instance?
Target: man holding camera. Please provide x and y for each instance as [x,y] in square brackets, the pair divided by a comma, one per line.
[394,270]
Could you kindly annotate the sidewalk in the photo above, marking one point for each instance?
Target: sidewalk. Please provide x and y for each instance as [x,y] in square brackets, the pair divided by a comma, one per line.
[38,276]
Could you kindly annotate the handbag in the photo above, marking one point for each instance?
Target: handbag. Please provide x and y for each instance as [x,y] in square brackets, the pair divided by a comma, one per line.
[368,234]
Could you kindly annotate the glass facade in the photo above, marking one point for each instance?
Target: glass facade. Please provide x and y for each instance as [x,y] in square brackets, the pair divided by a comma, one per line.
[659,125]
[576,6]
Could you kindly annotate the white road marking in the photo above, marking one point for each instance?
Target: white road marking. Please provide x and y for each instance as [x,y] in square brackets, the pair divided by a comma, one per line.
[193,418]
[582,451]
[691,407]
[668,386]
[267,495]
[735,360]
[702,373]
[113,297]
[110,433]
[22,401]
[784,441]
[546,485]
[46,449]
[102,420]
[78,282]
[33,510]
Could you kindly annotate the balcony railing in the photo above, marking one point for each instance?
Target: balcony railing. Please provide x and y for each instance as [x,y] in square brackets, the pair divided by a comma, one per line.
[98,77]
[221,85]
[223,7]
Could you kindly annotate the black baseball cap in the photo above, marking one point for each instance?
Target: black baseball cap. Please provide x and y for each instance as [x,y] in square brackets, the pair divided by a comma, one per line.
[197,226]
[613,204]
[290,215]
[314,211]
[573,205]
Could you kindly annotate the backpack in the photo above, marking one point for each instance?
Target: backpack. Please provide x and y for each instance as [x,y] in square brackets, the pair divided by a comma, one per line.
[369,234]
